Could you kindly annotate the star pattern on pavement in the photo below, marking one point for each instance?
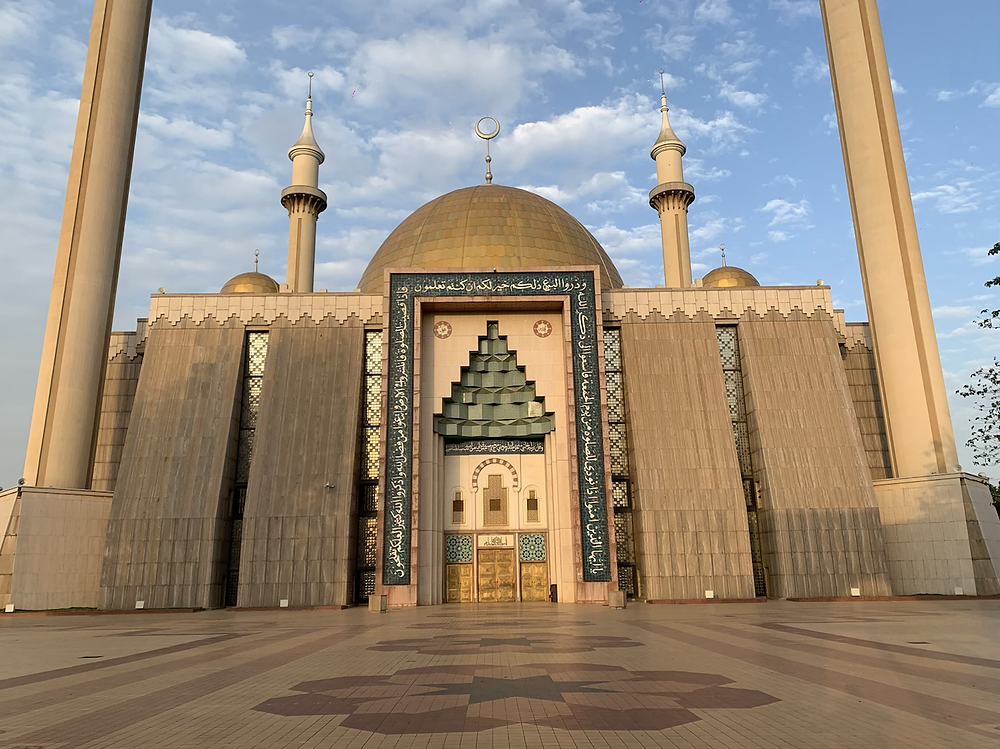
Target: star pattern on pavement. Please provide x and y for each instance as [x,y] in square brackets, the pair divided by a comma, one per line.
[488,688]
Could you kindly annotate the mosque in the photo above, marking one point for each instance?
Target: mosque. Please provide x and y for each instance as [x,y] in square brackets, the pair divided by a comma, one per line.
[492,415]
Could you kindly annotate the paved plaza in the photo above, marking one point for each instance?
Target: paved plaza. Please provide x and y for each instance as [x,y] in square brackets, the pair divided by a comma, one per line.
[776,674]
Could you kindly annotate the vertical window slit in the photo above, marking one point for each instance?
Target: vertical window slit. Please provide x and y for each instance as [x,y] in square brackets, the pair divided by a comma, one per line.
[732,374]
[254,358]
[367,510]
[621,486]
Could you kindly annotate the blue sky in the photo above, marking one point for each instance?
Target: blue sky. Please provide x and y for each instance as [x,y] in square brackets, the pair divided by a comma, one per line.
[399,85]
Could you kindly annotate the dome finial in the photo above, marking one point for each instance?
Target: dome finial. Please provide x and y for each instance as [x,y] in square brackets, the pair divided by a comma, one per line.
[488,136]
[256,257]
[722,249]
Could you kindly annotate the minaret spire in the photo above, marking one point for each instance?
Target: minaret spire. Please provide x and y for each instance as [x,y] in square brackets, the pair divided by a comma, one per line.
[671,198]
[304,201]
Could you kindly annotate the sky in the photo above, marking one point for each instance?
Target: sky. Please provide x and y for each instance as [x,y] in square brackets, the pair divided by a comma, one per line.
[398,87]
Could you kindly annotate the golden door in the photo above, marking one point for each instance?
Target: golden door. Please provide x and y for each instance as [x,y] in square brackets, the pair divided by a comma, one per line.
[496,575]
[534,581]
[458,583]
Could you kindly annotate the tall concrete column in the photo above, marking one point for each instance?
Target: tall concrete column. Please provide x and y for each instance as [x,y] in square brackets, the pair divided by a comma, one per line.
[671,198]
[921,439]
[304,201]
[71,376]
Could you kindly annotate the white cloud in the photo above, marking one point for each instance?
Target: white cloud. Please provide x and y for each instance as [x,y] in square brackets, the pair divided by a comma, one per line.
[298,37]
[724,131]
[676,43]
[993,97]
[342,256]
[783,179]
[709,228]
[188,66]
[294,82]
[953,311]
[989,90]
[183,129]
[636,252]
[435,69]
[977,256]
[713,11]
[743,99]
[784,212]
[791,12]
[695,170]
[21,22]
[604,192]
[597,131]
[897,87]
[708,231]
[812,68]
[778,236]
[961,197]
[960,332]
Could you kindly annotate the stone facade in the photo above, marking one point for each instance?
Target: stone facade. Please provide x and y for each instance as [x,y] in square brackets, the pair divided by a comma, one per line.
[167,534]
[820,527]
[298,525]
[167,447]
[690,516]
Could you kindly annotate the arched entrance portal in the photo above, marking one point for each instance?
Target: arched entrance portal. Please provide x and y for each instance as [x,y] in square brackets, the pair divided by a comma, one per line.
[495,427]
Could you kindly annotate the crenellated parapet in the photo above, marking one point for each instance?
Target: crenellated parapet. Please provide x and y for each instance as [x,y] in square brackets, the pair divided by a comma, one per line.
[733,303]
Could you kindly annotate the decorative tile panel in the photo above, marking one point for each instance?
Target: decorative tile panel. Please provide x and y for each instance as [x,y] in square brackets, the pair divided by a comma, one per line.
[579,287]
[457,549]
[531,547]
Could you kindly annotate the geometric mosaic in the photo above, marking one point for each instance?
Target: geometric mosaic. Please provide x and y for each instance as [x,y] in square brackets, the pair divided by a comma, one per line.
[458,549]
[531,547]
[479,697]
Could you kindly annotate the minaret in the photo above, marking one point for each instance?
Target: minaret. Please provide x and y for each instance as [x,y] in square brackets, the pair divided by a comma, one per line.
[304,201]
[921,440]
[671,198]
[64,421]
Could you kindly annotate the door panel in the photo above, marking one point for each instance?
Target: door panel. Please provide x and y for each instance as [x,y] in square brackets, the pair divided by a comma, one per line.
[458,583]
[534,581]
[496,575]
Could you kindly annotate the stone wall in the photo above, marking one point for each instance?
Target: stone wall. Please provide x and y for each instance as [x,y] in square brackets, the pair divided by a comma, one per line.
[121,377]
[168,530]
[690,515]
[942,535]
[53,546]
[862,377]
[10,513]
[298,526]
[820,528]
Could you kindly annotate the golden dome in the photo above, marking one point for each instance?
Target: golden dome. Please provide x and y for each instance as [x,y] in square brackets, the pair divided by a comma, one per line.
[250,283]
[727,276]
[488,226]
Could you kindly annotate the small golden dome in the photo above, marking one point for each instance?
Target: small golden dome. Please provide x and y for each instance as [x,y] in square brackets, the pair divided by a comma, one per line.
[728,276]
[488,226]
[250,283]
